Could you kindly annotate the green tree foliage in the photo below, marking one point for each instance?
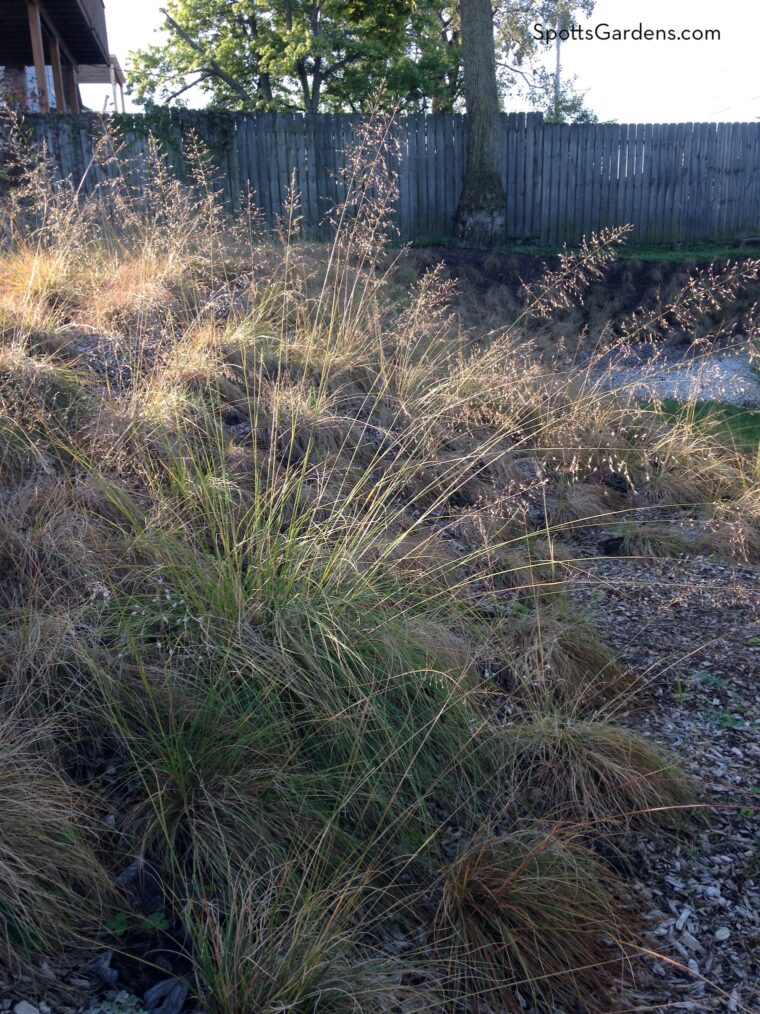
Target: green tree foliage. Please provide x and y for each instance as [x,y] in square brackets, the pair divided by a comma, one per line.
[273,54]
[334,55]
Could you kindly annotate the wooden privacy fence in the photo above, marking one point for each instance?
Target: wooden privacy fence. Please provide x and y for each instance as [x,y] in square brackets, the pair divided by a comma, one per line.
[676,182]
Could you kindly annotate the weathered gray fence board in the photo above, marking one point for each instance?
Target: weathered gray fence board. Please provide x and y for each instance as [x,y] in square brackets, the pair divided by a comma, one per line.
[644,137]
[549,199]
[721,180]
[571,178]
[696,171]
[743,154]
[676,157]
[561,164]
[667,183]
[728,173]
[735,201]
[441,196]
[404,219]
[664,196]
[676,183]
[619,157]
[449,162]
[607,206]
[532,179]
[542,202]
[752,193]
[687,169]
[584,179]
[633,188]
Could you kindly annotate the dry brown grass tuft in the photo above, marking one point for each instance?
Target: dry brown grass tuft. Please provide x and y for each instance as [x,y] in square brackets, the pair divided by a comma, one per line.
[595,774]
[554,652]
[269,947]
[668,538]
[39,289]
[532,917]
[733,529]
[56,554]
[583,504]
[53,889]
[140,294]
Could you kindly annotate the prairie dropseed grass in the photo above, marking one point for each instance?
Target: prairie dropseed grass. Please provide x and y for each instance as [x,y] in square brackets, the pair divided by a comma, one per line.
[273,577]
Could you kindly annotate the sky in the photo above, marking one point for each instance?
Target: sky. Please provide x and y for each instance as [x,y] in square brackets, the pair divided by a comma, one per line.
[628,80]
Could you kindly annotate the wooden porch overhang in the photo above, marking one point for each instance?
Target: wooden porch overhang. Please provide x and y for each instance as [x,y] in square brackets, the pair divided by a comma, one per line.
[80,26]
[62,34]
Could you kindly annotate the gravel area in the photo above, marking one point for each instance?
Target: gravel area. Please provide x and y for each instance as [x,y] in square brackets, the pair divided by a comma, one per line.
[691,629]
[689,373]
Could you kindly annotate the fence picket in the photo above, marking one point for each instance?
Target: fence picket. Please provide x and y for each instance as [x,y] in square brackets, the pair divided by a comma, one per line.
[676,183]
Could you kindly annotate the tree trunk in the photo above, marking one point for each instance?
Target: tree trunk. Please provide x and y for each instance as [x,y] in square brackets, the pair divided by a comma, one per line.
[481,217]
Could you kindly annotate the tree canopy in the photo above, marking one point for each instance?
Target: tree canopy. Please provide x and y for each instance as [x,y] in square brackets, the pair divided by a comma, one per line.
[334,55]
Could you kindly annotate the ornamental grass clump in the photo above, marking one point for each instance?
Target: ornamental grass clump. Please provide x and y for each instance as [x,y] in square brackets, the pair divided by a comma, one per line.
[287,560]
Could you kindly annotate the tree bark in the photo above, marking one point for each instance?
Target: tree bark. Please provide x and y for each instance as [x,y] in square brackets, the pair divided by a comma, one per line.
[481,216]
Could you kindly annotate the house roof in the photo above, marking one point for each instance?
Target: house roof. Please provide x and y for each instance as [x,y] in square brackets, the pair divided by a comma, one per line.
[81,25]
